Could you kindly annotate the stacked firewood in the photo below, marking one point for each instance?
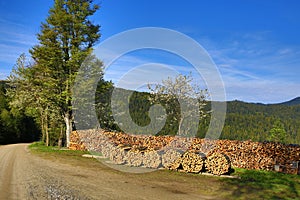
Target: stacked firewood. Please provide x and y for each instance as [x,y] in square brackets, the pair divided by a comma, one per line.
[75,142]
[133,158]
[170,157]
[191,162]
[255,155]
[117,155]
[152,159]
[217,163]
[168,151]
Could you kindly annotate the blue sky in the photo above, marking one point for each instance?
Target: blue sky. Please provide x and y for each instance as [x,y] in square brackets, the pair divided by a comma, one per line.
[255,44]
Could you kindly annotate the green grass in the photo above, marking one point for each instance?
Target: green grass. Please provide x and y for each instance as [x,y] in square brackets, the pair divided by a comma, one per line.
[255,184]
[39,147]
[251,184]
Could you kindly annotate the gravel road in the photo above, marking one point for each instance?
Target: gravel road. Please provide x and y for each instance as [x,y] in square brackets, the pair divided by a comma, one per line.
[24,175]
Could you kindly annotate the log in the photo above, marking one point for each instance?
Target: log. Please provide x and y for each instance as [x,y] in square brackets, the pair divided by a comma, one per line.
[134,158]
[177,165]
[170,156]
[106,149]
[152,159]
[118,155]
[217,164]
[193,162]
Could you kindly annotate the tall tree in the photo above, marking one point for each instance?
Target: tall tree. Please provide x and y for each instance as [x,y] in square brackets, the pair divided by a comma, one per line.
[26,96]
[65,40]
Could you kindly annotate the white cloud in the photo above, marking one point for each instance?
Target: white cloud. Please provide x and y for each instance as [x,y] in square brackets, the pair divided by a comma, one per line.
[256,69]
[263,91]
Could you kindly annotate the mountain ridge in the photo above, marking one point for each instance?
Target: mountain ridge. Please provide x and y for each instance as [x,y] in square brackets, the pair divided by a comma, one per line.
[292,102]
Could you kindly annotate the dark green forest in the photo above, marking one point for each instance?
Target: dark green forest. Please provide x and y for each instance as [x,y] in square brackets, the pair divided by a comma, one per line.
[15,125]
[244,121]
[256,121]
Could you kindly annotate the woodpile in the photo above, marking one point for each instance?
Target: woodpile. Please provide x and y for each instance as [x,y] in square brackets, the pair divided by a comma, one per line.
[255,155]
[76,143]
[152,159]
[170,156]
[106,149]
[117,155]
[168,151]
[217,164]
[134,158]
[193,162]
[176,165]
[202,145]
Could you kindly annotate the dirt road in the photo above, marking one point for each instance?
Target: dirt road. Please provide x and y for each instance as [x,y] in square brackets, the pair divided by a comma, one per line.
[27,176]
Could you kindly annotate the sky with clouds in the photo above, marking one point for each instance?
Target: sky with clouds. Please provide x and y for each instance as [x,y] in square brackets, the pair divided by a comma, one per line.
[255,44]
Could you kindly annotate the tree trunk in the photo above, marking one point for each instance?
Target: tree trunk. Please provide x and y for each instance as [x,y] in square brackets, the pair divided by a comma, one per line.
[43,127]
[60,137]
[47,134]
[46,128]
[68,122]
[180,124]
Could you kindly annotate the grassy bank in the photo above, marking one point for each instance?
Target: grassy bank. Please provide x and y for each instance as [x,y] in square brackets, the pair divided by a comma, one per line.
[251,184]
[254,184]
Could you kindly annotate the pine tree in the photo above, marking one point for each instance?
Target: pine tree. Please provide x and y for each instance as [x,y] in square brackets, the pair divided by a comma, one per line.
[65,40]
[278,133]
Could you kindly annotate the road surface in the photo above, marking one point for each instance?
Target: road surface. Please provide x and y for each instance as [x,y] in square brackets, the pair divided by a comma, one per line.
[24,175]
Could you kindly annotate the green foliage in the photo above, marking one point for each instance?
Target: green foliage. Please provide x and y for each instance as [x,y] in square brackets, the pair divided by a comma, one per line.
[28,94]
[89,79]
[247,121]
[103,106]
[15,126]
[278,133]
[66,39]
[44,88]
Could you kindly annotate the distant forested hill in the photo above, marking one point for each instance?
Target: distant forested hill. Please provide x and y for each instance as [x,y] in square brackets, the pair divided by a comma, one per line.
[254,121]
[292,102]
[244,121]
